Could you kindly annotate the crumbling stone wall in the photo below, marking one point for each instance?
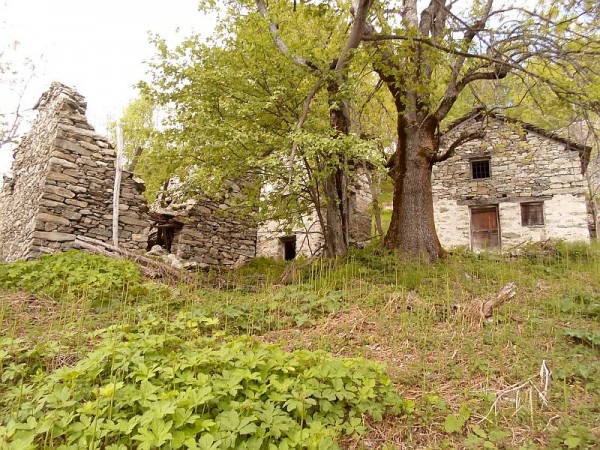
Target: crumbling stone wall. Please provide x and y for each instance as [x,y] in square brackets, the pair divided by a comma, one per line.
[361,204]
[62,185]
[527,165]
[208,232]
[307,235]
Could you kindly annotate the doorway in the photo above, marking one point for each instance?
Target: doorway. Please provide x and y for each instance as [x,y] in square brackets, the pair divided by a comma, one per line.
[485,233]
[288,247]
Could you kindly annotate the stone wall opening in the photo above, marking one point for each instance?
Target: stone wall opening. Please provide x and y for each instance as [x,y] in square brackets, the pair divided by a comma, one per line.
[164,231]
[287,245]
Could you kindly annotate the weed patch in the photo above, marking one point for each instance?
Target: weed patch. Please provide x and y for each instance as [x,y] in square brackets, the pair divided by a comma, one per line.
[74,275]
[467,382]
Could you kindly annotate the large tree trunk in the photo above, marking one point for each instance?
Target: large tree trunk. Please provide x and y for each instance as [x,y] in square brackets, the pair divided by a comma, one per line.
[412,229]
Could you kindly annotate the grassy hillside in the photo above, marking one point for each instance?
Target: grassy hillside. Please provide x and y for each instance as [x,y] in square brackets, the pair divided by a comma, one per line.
[364,352]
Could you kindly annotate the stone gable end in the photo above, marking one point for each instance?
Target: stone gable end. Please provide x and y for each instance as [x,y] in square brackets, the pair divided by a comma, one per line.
[528,171]
[62,185]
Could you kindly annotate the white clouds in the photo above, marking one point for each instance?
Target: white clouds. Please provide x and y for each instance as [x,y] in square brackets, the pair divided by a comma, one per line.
[96,46]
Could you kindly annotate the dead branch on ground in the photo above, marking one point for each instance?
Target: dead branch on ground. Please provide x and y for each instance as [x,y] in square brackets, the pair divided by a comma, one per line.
[149,267]
[506,293]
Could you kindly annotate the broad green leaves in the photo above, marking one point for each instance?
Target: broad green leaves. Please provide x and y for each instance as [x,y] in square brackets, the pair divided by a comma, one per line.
[201,392]
[75,275]
[236,107]
[454,423]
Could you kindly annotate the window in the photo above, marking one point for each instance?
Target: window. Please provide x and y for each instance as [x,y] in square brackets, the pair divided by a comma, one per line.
[532,214]
[288,246]
[480,168]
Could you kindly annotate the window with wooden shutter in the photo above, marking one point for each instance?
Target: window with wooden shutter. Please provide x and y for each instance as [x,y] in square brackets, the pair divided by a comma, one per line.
[532,214]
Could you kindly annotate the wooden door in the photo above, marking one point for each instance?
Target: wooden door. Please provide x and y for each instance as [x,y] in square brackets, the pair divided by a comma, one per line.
[484,228]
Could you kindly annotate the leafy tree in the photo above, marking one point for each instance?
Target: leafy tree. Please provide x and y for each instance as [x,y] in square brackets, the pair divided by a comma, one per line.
[252,100]
[428,61]
[142,145]
[333,74]
[263,101]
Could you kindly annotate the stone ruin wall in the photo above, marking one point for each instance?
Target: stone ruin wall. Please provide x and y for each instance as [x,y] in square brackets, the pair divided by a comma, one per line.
[525,166]
[20,195]
[308,234]
[62,185]
[361,206]
[210,233]
[62,188]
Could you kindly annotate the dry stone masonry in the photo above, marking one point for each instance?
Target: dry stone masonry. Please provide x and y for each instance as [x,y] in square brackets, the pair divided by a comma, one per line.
[62,185]
[526,166]
[62,188]
[530,185]
[204,232]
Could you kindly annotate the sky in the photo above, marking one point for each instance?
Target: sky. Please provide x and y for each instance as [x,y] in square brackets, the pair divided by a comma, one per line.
[96,46]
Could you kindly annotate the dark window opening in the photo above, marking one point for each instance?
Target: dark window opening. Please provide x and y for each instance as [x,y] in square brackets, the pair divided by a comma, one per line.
[532,214]
[480,168]
[164,237]
[164,231]
[288,244]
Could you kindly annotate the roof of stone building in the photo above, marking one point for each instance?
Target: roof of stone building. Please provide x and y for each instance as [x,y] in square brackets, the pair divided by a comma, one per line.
[569,138]
[583,131]
[560,137]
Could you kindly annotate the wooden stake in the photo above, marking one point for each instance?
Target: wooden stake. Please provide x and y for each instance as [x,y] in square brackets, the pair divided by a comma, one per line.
[117,186]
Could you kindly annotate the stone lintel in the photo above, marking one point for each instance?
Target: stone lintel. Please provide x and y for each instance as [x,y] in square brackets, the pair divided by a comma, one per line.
[54,236]
[46,217]
[496,200]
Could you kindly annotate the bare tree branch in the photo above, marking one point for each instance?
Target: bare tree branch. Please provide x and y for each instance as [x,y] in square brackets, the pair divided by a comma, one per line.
[462,139]
[283,48]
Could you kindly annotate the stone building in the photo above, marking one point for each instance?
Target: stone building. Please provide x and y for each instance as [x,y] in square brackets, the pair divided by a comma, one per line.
[276,240]
[517,183]
[62,185]
[586,132]
[62,188]
[305,238]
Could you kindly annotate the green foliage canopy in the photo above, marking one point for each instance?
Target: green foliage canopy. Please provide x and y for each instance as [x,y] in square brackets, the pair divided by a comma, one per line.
[234,106]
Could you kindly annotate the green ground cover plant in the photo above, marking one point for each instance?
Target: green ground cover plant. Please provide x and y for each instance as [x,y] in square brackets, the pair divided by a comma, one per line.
[74,275]
[465,382]
[171,384]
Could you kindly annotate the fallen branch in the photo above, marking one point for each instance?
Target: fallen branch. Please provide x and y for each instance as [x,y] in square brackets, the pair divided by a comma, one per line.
[506,293]
[101,251]
[530,385]
[149,266]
